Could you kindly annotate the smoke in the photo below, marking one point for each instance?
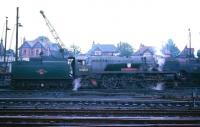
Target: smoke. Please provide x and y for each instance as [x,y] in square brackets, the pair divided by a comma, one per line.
[159,86]
[160,62]
[160,59]
[76,84]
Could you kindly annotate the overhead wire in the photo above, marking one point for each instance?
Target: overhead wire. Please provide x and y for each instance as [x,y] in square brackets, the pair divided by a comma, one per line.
[11,39]
[3,30]
[12,34]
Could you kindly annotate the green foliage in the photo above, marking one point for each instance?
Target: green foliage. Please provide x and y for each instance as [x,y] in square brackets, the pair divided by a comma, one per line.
[198,53]
[124,49]
[75,49]
[170,48]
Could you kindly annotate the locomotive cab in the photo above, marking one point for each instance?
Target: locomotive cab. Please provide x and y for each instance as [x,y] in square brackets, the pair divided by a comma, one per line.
[83,73]
[82,67]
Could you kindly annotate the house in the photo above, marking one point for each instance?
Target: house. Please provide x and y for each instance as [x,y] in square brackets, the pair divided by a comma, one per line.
[9,53]
[145,51]
[5,66]
[186,53]
[102,50]
[39,46]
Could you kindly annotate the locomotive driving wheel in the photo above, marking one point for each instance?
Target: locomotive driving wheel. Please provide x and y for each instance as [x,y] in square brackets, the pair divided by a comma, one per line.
[110,82]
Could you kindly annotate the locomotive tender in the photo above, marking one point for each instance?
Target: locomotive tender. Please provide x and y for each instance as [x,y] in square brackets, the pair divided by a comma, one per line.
[41,72]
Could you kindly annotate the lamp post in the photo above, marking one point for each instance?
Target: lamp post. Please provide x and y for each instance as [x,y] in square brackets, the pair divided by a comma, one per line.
[4,60]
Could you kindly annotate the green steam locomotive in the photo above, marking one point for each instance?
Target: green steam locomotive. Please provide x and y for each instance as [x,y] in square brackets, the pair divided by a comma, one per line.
[110,72]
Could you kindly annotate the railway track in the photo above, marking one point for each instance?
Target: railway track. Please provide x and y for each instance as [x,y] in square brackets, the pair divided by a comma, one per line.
[187,93]
[90,103]
[101,112]
[97,108]
[99,98]
[99,117]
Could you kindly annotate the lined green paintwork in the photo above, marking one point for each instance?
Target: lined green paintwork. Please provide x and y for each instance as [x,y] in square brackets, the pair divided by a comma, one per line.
[40,70]
[118,67]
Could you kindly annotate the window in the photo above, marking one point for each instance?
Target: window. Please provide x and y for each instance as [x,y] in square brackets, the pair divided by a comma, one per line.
[37,52]
[81,62]
[24,52]
[147,54]
[32,53]
[97,53]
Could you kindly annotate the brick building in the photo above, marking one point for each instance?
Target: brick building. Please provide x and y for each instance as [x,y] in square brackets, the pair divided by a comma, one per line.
[36,48]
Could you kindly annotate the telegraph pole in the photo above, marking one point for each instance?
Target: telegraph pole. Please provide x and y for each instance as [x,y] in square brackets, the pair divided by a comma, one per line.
[4,58]
[16,48]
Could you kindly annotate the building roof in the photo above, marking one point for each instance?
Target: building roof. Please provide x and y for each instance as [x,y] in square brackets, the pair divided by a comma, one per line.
[186,52]
[103,48]
[25,45]
[38,45]
[54,46]
[40,42]
[41,39]
[10,52]
[144,49]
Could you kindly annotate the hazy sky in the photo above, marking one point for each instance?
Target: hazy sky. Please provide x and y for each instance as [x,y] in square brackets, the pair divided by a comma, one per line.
[80,22]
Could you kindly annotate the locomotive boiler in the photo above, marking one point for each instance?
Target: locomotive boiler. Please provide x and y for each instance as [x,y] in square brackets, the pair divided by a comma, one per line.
[113,72]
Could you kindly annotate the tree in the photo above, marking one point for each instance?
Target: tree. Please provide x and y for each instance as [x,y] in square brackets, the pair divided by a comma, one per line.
[124,49]
[198,53]
[75,49]
[170,48]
